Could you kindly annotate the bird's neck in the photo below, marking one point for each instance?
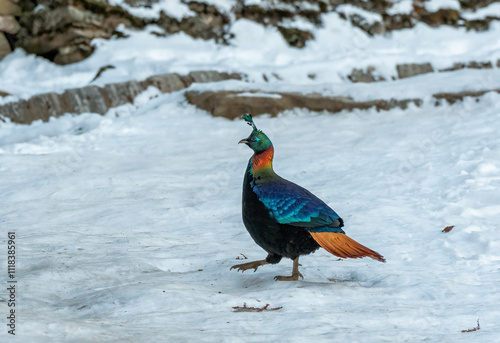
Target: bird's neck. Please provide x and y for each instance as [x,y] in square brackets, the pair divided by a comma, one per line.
[263,162]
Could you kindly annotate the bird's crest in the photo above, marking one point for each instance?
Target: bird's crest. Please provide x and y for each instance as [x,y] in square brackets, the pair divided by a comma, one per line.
[248,118]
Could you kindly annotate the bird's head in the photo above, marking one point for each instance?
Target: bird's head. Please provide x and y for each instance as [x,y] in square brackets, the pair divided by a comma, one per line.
[257,141]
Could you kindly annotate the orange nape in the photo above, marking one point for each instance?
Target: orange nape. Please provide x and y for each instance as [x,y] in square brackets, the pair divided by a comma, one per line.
[339,244]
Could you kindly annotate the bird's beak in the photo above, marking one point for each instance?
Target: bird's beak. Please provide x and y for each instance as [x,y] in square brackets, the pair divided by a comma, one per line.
[244,141]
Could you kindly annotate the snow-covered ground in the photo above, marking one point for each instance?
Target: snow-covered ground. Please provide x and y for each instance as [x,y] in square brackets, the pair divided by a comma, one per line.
[127,224]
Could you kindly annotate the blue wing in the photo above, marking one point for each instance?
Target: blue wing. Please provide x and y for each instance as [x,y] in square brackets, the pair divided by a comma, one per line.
[288,203]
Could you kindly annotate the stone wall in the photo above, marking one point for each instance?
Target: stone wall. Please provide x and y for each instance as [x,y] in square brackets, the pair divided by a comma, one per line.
[100,99]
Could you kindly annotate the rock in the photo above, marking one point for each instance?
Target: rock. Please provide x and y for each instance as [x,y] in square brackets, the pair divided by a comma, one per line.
[480,65]
[209,23]
[456,66]
[274,16]
[413,69]
[5,48]
[100,99]
[475,4]
[451,98]
[63,33]
[399,21]
[231,104]
[62,30]
[141,3]
[470,65]
[4,93]
[295,37]
[365,25]
[478,25]
[264,16]
[9,24]
[361,75]
[498,63]
[444,16]
[9,7]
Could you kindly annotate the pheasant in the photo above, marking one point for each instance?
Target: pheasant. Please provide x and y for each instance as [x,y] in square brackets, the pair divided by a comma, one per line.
[285,219]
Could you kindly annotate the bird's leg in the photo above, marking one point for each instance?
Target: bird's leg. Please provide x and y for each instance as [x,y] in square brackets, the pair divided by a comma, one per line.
[295,273]
[249,265]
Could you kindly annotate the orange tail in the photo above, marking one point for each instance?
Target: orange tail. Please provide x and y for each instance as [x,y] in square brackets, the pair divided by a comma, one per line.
[340,245]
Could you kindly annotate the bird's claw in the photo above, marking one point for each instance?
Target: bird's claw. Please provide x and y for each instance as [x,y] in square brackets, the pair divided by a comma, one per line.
[293,277]
[250,265]
[242,269]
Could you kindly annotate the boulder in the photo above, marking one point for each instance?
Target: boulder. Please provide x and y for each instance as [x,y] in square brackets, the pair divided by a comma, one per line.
[9,7]
[413,69]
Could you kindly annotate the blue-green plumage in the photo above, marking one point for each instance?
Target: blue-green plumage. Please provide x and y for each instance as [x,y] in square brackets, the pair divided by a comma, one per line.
[279,239]
[285,219]
[289,203]
[277,213]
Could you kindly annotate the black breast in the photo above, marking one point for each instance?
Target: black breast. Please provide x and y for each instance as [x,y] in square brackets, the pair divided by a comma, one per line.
[275,238]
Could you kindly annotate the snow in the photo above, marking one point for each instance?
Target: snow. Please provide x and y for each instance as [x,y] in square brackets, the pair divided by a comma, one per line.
[175,9]
[127,224]
[436,5]
[400,7]
[261,95]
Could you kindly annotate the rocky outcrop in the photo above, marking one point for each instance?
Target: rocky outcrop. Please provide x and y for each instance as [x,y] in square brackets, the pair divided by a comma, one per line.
[206,23]
[451,98]
[100,99]
[230,104]
[62,30]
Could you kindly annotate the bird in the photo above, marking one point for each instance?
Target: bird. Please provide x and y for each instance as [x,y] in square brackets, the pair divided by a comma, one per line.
[285,219]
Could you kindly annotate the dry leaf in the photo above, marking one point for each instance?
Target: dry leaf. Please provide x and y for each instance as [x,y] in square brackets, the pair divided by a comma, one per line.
[448,228]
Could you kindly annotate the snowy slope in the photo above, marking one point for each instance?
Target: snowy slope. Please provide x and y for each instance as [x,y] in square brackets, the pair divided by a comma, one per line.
[337,49]
[128,224]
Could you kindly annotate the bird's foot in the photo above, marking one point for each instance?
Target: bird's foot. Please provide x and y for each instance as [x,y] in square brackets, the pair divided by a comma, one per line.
[249,265]
[293,277]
